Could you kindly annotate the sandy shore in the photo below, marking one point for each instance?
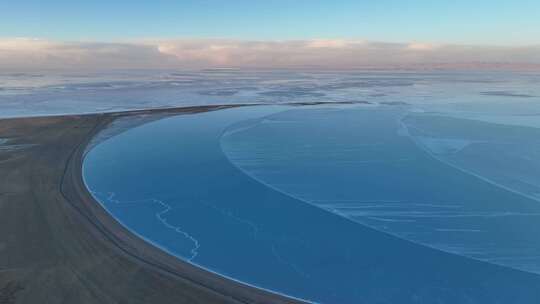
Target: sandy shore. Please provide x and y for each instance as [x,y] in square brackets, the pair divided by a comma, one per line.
[57,245]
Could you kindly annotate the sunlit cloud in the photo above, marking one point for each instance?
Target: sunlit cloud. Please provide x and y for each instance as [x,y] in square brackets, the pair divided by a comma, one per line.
[422,46]
[331,43]
[28,53]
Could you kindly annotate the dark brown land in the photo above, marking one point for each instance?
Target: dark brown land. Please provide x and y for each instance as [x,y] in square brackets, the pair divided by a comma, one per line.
[57,245]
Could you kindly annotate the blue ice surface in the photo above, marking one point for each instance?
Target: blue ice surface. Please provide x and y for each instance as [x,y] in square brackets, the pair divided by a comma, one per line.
[458,185]
[245,192]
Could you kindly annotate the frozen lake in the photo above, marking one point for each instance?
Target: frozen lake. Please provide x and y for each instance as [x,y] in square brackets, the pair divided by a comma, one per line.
[57,92]
[374,203]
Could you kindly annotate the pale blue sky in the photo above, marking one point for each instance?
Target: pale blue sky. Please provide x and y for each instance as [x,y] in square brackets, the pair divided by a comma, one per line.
[494,22]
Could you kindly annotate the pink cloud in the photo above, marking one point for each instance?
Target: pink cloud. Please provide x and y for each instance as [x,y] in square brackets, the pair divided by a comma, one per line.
[200,53]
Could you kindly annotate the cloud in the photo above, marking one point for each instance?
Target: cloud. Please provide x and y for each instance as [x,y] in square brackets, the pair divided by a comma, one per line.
[331,43]
[27,53]
[422,46]
[35,53]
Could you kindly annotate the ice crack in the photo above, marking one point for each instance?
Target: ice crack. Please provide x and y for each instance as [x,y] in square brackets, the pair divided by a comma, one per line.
[160,215]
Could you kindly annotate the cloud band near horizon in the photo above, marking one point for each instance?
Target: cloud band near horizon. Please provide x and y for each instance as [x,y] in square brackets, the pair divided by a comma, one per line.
[26,53]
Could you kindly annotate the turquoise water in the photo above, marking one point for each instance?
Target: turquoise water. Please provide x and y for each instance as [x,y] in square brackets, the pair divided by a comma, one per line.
[360,204]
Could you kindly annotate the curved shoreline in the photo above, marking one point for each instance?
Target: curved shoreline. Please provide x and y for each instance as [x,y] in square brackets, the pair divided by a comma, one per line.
[115,265]
[58,245]
[142,250]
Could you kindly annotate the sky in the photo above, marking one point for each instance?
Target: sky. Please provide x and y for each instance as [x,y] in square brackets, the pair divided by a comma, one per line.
[498,22]
[54,29]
